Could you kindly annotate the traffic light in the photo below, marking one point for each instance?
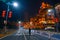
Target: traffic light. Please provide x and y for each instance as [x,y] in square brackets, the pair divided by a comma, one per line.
[3,13]
[10,14]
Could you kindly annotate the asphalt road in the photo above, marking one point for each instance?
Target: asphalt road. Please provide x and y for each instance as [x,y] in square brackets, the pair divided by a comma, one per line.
[22,34]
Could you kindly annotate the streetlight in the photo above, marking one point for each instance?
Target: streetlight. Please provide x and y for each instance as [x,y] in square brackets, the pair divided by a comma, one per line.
[50,12]
[15,4]
[19,22]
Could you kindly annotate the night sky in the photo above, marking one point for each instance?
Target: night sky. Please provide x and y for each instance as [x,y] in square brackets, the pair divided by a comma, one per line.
[26,9]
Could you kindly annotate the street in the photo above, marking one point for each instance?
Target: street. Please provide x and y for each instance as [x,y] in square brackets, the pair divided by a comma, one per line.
[23,34]
[26,37]
[29,20]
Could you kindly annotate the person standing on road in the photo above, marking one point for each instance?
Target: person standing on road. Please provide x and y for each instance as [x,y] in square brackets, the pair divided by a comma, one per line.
[29,31]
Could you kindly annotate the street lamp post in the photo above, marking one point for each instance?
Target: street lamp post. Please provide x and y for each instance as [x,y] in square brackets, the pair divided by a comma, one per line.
[6,16]
[14,4]
[8,4]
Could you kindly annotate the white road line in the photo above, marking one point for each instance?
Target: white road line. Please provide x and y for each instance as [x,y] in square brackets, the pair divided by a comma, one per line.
[34,38]
[24,36]
[41,35]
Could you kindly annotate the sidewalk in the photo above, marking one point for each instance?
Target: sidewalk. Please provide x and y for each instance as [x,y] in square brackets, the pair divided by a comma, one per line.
[7,33]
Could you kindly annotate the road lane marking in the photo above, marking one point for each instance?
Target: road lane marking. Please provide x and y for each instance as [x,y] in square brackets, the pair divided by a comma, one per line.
[41,35]
[24,36]
[34,38]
